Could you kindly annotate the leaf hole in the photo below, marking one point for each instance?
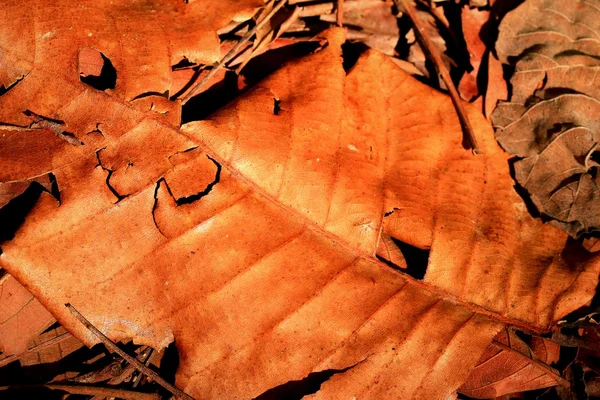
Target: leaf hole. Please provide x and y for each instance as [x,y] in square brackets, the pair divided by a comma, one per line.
[296,390]
[4,89]
[351,52]
[13,214]
[201,106]
[276,106]
[416,259]
[96,70]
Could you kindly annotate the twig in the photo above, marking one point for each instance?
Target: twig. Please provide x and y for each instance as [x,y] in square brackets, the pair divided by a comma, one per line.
[233,51]
[339,13]
[322,9]
[137,379]
[293,17]
[35,349]
[138,365]
[429,49]
[90,391]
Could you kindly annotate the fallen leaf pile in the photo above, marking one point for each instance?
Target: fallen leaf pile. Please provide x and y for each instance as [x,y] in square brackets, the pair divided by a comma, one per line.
[251,238]
[550,123]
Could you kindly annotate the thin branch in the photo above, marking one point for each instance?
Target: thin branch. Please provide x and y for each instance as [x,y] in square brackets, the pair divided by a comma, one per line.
[138,365]
[90,390]
[431,51]
[340,13]
[234,51]
[293,17]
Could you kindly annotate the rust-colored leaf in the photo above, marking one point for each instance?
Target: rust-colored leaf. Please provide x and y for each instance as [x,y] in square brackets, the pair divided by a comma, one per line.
[509,366]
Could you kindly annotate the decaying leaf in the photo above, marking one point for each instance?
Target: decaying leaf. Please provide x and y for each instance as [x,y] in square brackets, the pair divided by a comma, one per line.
[509,365]
[551,121]
[250,238]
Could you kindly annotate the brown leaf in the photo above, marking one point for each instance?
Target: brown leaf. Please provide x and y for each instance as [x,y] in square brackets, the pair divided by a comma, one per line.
[389,251]
[269,220]
[49,347]
[13,189]
[550,123]
[371,22]
[550,28]
[510,366]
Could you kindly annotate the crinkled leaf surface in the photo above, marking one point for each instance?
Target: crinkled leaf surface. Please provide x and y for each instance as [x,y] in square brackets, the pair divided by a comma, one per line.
[264,275]
[551,28]
[551,120]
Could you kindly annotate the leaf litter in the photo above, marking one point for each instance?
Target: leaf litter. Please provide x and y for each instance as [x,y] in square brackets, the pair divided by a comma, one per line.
[125,158]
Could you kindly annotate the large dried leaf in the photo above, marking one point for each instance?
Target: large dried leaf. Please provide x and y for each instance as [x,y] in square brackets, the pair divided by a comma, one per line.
[555,48]
[379,154]
[509,365]
[47,41]
[264,277]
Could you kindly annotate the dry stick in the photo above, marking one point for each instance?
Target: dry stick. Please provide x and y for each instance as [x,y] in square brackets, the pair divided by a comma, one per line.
[91,391]
[431,51]
[233,51]
[138,365]
[263,43]
[339,13]
[324,9]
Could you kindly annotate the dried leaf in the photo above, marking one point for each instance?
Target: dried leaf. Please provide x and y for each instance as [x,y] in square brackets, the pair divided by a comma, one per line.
[485,247]
[550,28]
[389,251]
[372,23]
[510,366]
[550,123]
[62,344]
